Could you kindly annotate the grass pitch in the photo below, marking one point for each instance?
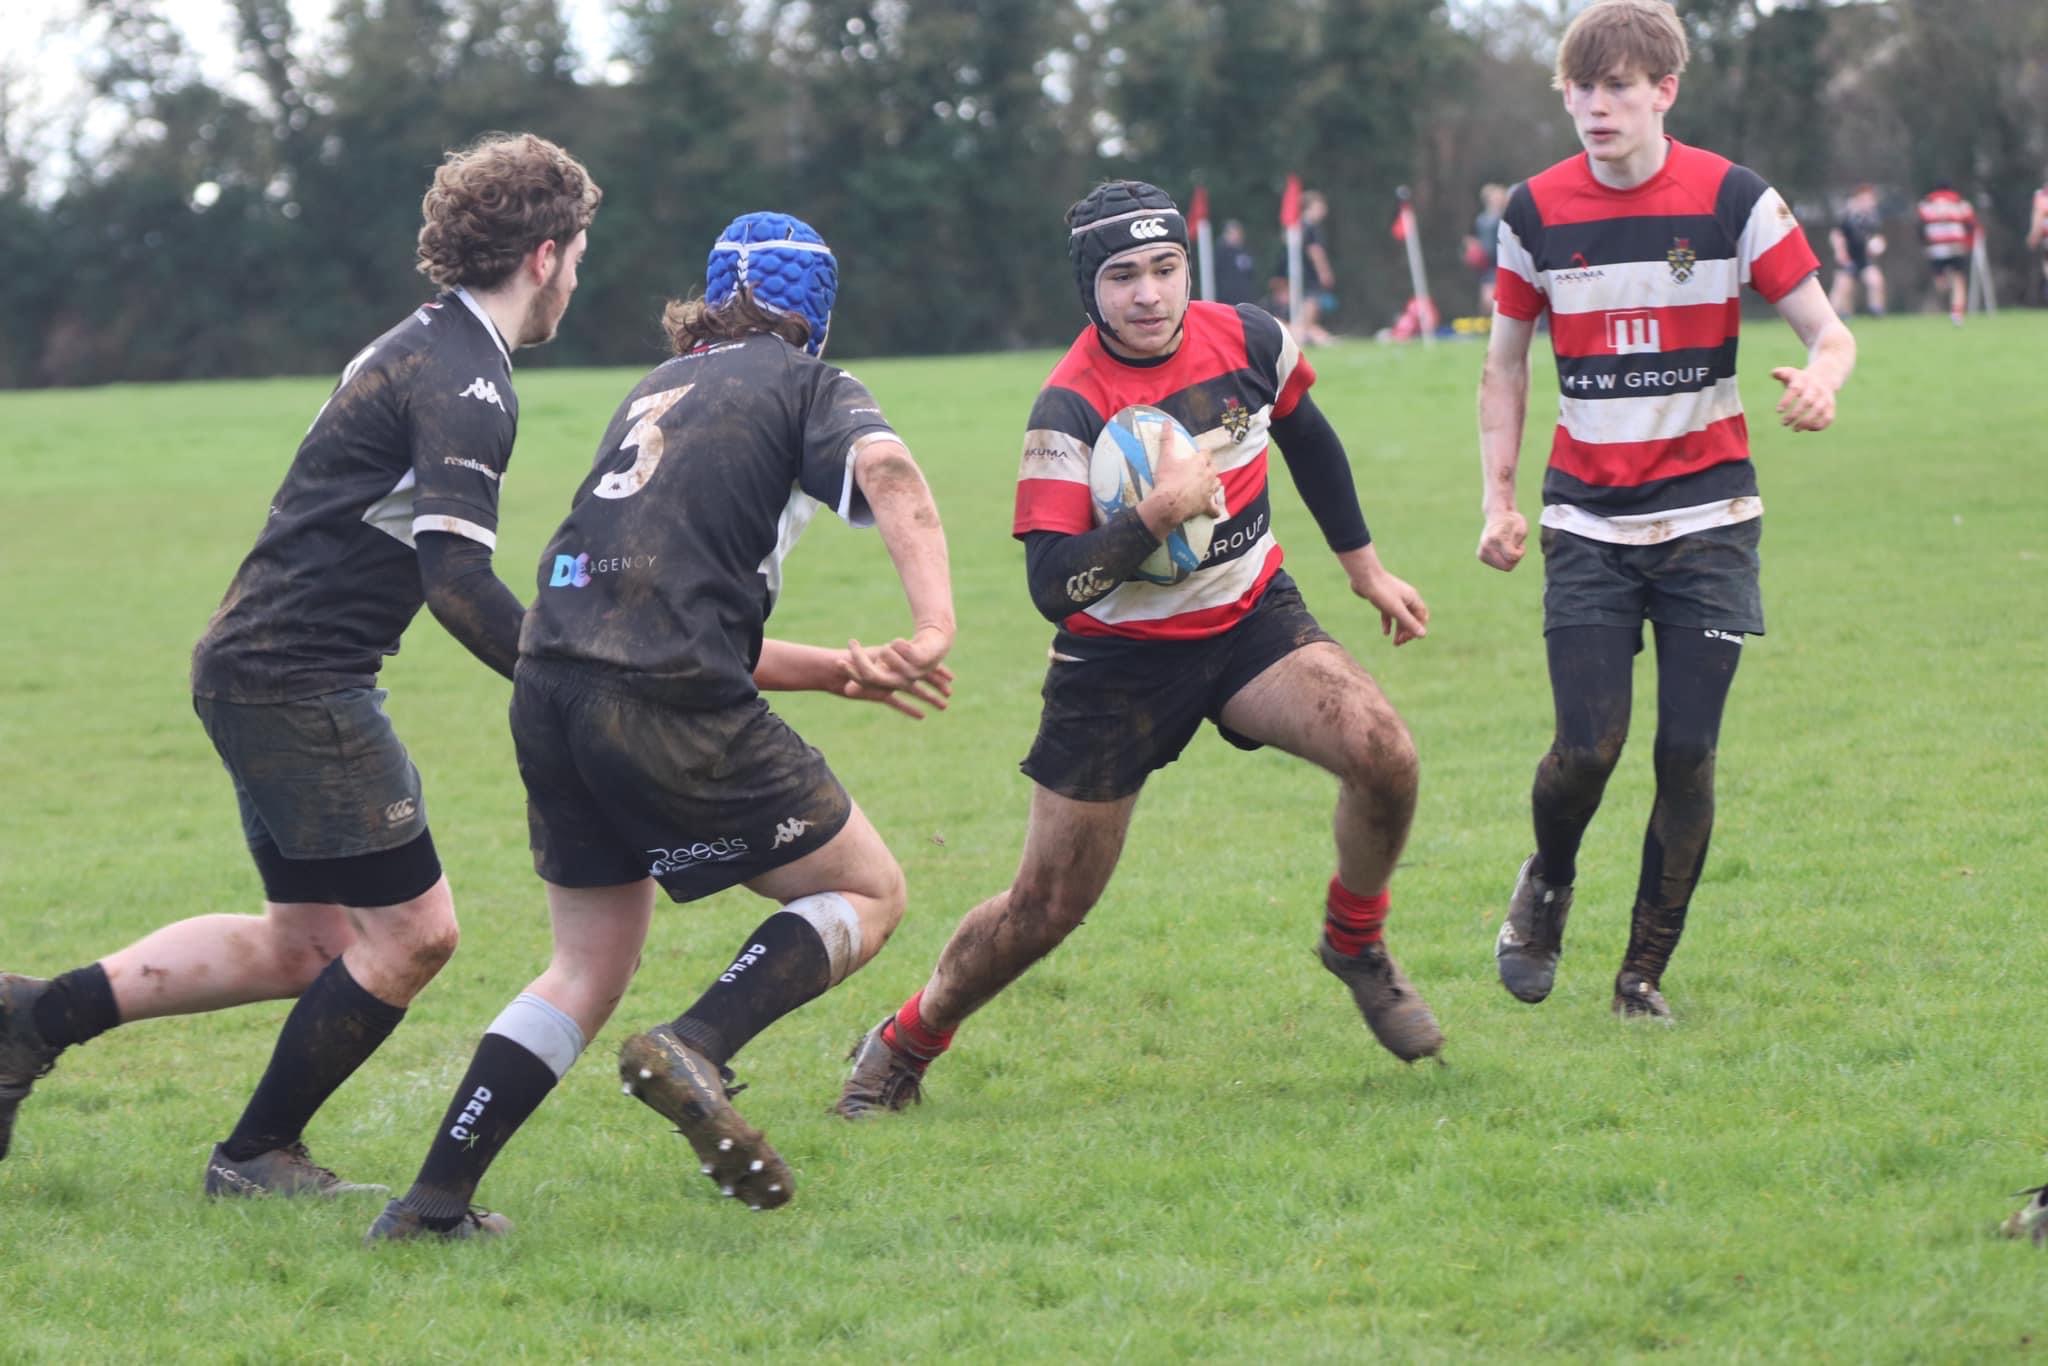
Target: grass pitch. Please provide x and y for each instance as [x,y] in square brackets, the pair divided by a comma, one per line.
[1174,1139]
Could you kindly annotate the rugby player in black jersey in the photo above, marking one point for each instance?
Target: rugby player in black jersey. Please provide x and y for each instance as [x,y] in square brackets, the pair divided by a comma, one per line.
[649,756]
[391,502]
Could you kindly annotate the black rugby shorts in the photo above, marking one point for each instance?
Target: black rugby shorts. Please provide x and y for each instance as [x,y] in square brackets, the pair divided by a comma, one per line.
[620,787]
[1707,579]
[1117,710]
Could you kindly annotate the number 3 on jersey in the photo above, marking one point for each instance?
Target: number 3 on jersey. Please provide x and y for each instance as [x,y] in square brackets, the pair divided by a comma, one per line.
[645,434]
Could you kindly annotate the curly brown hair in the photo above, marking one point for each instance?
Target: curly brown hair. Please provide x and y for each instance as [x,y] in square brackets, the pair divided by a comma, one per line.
[494,201]
[691,323]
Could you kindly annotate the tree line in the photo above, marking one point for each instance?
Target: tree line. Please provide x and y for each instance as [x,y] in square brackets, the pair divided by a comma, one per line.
[265,224]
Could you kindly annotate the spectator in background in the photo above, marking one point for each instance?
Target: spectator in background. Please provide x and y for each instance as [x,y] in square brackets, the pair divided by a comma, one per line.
[1858,241]
[1482,247]
[1318,277]
[1948,233]
[1236,269]
[2037,242]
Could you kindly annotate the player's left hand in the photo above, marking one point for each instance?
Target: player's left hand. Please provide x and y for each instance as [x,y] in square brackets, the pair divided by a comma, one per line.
[1808,405]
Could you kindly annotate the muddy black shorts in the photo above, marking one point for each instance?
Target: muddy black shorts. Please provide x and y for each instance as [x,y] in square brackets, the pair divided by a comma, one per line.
[1949,265]
[1706,579]
[621,787]
[1117,710]
[330,802]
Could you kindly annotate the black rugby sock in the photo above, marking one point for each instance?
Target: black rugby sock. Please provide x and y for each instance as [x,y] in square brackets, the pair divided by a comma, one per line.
[782,966]
[333,1028]
[505,1084]
[76,1006]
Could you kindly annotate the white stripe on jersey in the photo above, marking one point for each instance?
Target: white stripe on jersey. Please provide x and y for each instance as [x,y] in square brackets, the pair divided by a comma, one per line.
[1136,600]
[1053,455]
[1604,421]
[1514,255]
[485,318]
[1651,528]
[1641,284]
[796,515]
[392,514]
[846,511]
[1770,222]
[461,527]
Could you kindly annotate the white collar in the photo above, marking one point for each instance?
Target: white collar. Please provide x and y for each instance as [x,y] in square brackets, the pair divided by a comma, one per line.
[469,300]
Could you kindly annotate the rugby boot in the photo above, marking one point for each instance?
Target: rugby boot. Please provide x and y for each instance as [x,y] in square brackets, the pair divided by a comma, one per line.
[287,1171]
[1636,998]
[24,1056]
[399,1223]
[1395,1012]
[883,1078]
[1532,936]
[691,1092]
[2029,1220]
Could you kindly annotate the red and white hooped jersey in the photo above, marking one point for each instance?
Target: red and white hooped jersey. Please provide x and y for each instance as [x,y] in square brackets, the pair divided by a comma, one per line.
[1236,370]
[1644,287]
[1948,225]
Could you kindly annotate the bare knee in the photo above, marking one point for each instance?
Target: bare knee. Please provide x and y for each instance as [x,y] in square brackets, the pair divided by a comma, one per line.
[881,909]
[302,940]
[1045,908]
[1380,763]
[404,946]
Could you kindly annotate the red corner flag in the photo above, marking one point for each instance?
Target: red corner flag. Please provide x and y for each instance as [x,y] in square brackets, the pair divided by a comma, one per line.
[1290,202]
[1404,219]
[1198,209]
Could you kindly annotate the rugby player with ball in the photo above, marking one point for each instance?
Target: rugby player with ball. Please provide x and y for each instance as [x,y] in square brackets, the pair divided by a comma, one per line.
[1215,631]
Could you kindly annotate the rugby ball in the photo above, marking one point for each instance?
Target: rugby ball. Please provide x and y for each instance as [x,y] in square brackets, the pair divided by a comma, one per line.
[1120,476]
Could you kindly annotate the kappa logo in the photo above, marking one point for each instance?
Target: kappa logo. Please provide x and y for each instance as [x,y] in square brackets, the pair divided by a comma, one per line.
[789,831]
[401,810]
[1681,259]
[1145,229]
[483,391]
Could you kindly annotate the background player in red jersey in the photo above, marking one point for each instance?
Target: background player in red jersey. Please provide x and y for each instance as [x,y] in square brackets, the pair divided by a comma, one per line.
[390,502]
[1137,666]
[1948,234]
[2037,242]
[1638,250]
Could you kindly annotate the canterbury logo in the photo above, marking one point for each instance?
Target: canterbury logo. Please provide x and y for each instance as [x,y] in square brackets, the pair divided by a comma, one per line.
[1147,228]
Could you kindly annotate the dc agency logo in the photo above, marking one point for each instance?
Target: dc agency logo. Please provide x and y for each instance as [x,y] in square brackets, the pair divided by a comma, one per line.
[571,571]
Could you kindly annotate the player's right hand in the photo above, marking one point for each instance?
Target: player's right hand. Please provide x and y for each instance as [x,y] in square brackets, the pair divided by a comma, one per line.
[902,673]
[1504,541]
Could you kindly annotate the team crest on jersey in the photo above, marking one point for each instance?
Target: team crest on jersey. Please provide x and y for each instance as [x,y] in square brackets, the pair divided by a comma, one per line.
[1236,419]
[1681,259]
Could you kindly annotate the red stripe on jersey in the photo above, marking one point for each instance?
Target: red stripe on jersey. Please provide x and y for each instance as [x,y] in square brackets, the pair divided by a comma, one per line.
[1298,381]
[1693,326]
[1688,184]
[1053,505]
[1243,485]
[1200,625]
[1783,268]
[1629,464]
[1516,297]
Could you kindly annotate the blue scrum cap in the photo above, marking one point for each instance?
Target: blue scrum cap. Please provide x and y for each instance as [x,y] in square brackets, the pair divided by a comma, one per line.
[785,266]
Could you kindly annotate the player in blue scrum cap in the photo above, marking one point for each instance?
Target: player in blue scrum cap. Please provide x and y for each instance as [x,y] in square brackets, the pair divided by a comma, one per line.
[649,755]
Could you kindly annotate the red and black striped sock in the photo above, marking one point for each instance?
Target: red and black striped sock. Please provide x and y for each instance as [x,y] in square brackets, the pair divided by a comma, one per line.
[908,1034]
[1353,921]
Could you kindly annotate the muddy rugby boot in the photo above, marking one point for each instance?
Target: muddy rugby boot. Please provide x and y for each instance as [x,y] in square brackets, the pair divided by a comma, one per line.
[1395,1012]
[883,1078]
[691,1092]
[400,1224]
[2029,1220]
[286,1171]
[1532,936]
[1636,998]
[23,1055]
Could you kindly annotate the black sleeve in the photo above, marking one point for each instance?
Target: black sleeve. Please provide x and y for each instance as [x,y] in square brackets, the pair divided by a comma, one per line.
[465,596]
[1322,472]
[1066,573]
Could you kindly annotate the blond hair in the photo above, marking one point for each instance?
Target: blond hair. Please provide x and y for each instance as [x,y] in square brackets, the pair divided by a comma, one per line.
[496,200]
[1621,35]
